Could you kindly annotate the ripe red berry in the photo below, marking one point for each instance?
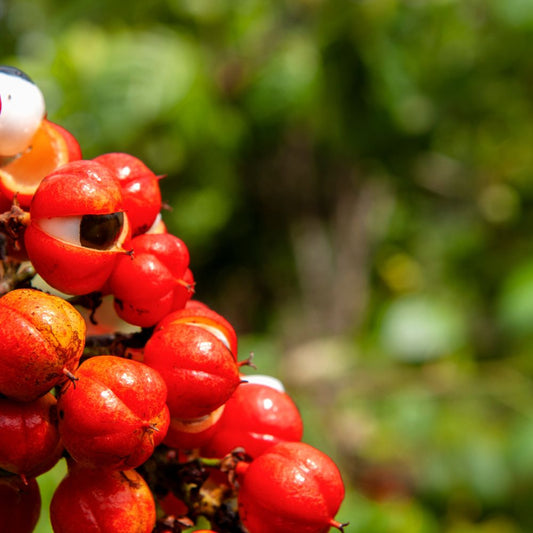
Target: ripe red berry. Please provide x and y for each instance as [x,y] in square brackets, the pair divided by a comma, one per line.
[90,500]
[255,417]
[29,438]
[153,282]
[290,487]
[77,227]
[115,414]
[200,371]
[20,504]
[140,189]
[42,339]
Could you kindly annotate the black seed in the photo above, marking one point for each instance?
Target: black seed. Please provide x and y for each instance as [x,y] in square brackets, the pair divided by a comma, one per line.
[101,231]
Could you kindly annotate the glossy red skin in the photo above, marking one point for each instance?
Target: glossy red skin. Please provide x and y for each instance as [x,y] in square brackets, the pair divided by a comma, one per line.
[81,187]
[291,487]
[151,283]
[32,426]
[115,415]
[255,418]
[200,372]
[41,336]
[140,189]
[203,315]
[192,434]
[68,268]
[75,189]
[20,505]
[95,501]
[73,146]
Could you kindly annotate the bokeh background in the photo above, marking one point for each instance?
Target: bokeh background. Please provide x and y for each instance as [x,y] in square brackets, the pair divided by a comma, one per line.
[354,180]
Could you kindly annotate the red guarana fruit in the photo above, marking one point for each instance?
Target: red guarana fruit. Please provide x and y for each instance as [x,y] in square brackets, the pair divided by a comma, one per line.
[255,418]
[77,227]
[20,504]
[153,281]
[42,340]
[93,500]
[199,314]
[140,189]
[290,487]
[115,414]
[200,371]
[29,437]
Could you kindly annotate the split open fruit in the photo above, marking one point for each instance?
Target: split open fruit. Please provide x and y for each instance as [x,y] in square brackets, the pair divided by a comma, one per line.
[50,147]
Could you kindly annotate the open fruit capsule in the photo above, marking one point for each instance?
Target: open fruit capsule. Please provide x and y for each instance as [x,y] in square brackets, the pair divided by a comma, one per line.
[77,227]
[30,145]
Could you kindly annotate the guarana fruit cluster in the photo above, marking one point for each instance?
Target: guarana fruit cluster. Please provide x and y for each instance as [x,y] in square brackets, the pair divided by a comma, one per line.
[158,425]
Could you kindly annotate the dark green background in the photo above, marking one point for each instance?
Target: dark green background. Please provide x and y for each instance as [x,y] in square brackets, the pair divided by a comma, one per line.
[354,180]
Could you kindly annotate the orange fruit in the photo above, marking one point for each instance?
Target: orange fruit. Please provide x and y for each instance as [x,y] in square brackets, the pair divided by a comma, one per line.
[51,147]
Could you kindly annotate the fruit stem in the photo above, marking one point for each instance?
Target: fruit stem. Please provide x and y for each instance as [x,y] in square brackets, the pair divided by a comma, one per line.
[70,376]
[247,362]
[338,525]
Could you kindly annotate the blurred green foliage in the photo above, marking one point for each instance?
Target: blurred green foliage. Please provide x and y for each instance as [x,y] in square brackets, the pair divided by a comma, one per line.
[354,179]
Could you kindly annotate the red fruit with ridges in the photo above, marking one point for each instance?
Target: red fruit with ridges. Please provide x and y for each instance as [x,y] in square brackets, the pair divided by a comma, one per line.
[200,372]
[30,444]
[255,418]
[20,504]
[115,414]
[95,501]
[42,340]
[158,270]
[77,227]
[140,189]
[290,487]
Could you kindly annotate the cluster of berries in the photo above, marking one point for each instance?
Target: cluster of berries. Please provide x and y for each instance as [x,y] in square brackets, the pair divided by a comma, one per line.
[171,393]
